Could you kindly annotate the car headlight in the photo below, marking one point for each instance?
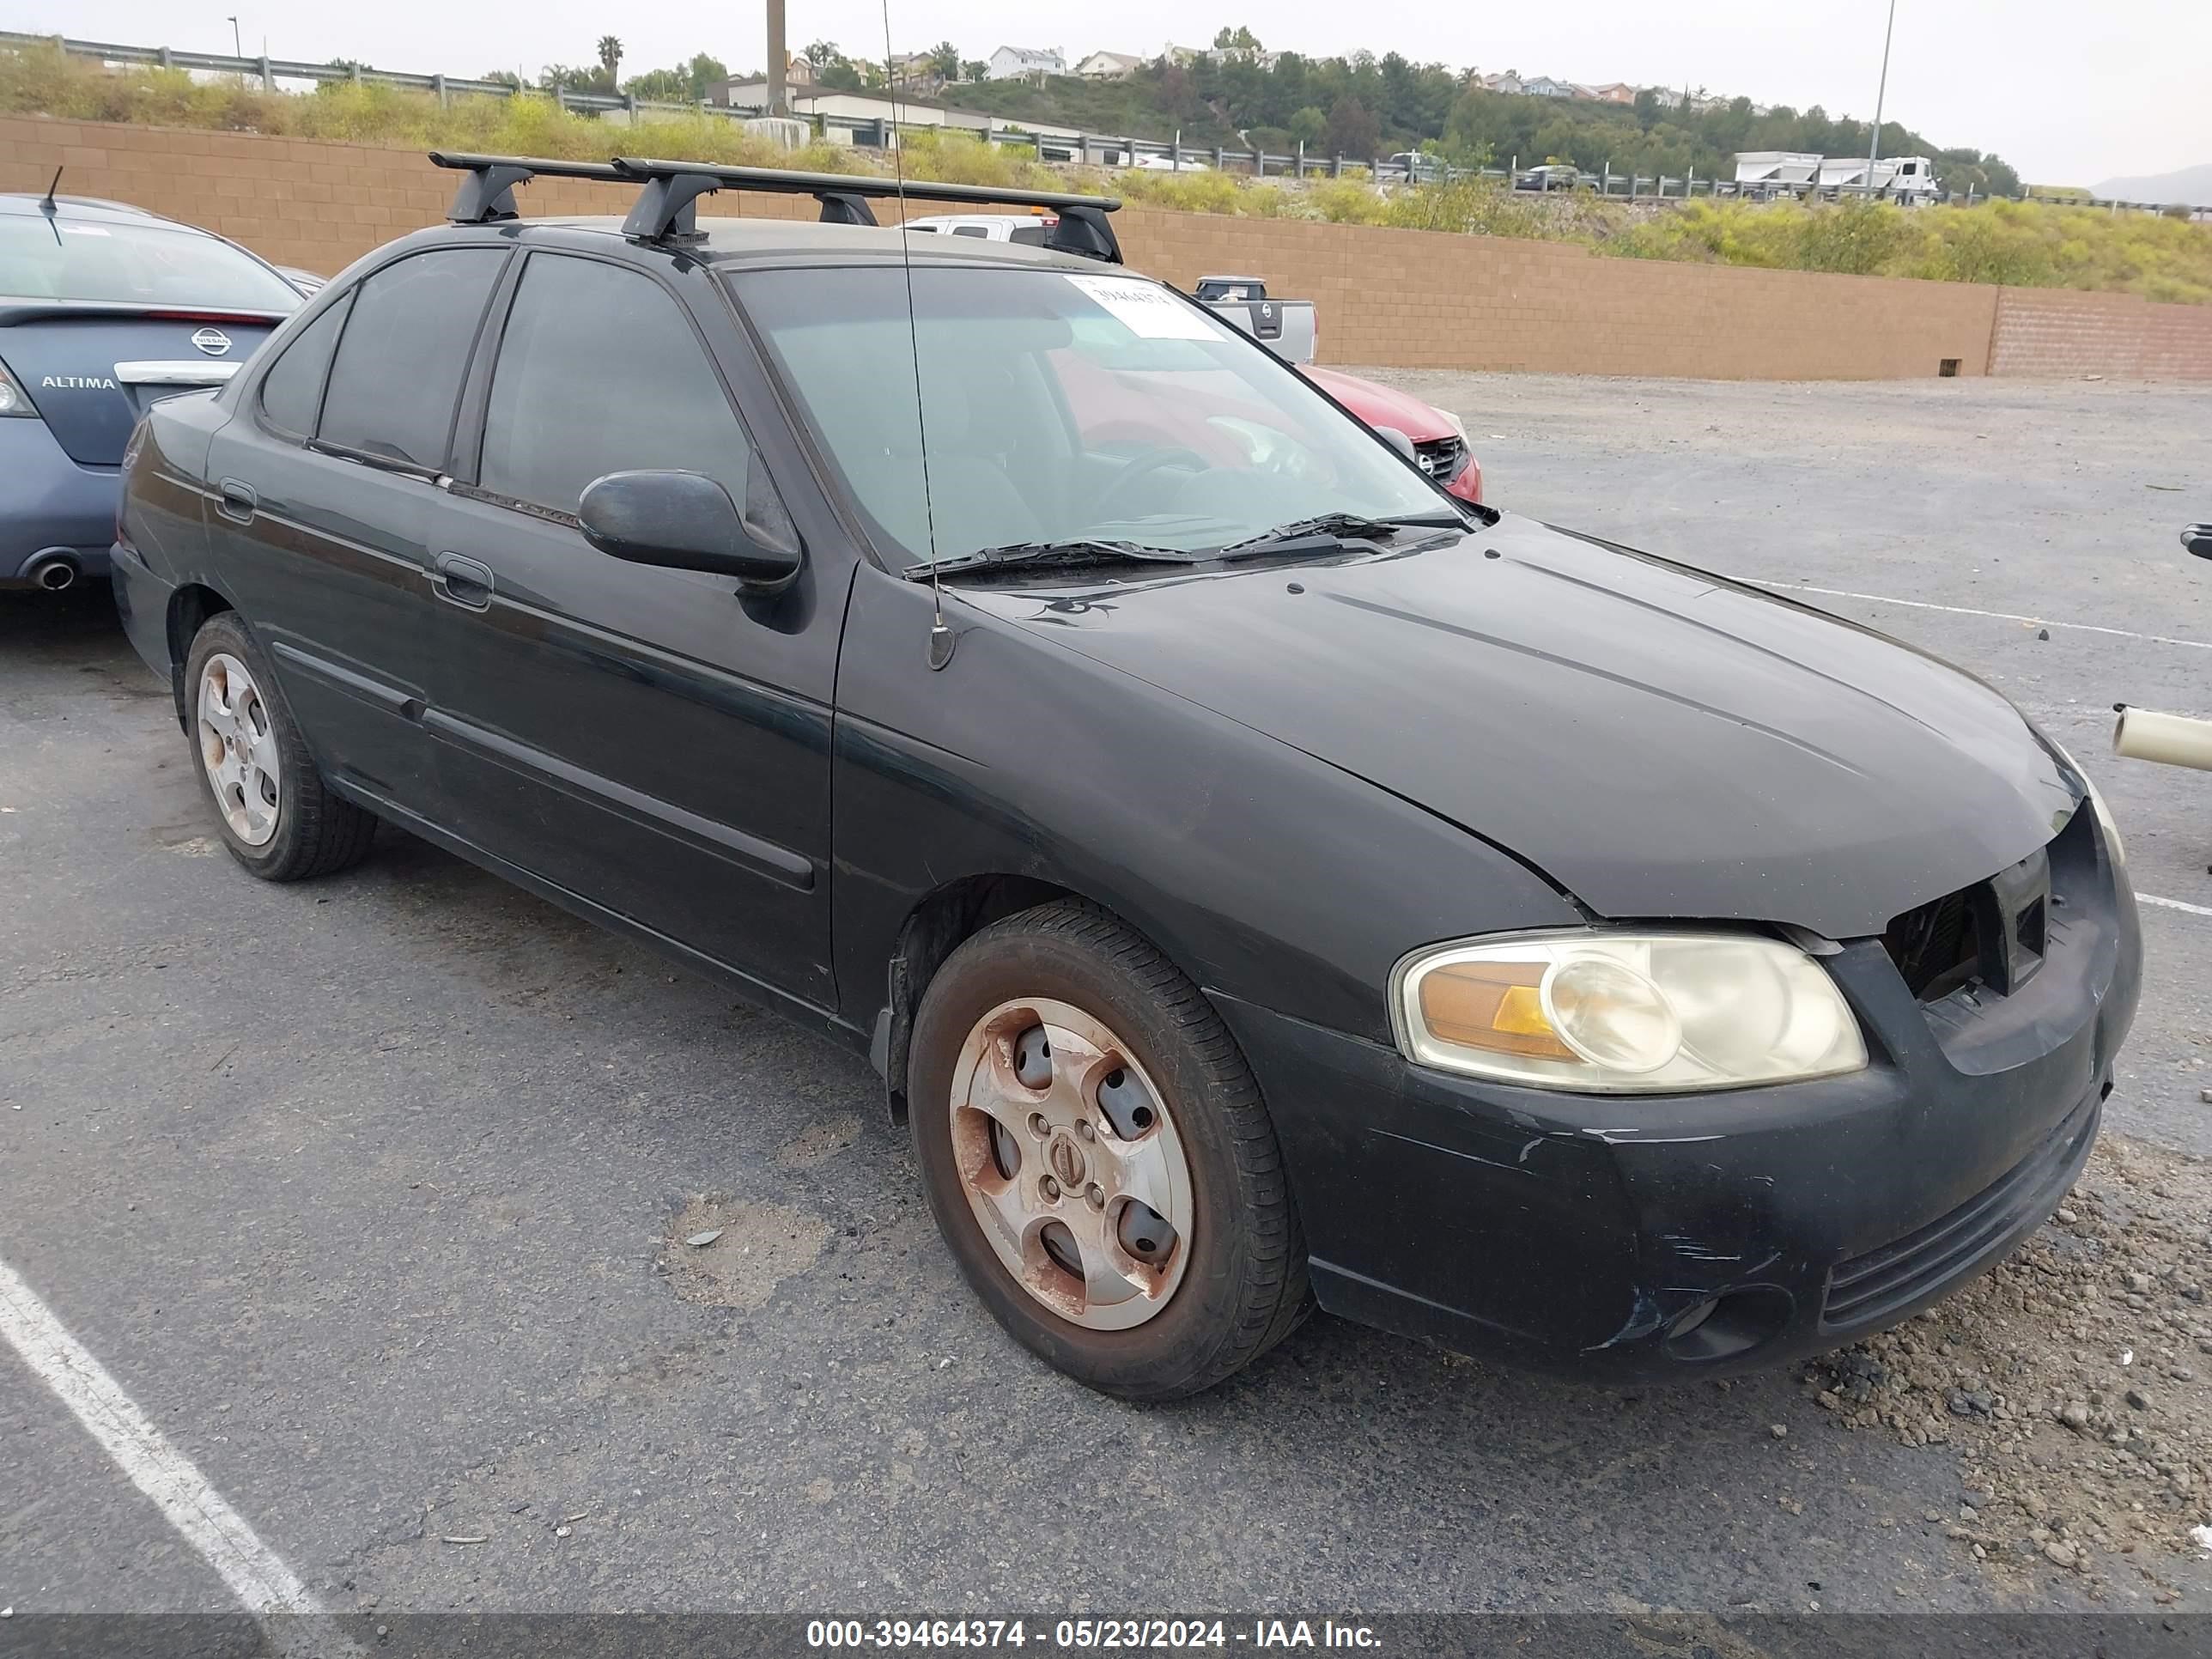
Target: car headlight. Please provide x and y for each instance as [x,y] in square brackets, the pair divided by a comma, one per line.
[1453,422]
[2114,848]
[1624,1012]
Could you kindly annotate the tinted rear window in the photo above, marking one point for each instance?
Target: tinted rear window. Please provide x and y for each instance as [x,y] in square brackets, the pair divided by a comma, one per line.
[400,363]
[65,258]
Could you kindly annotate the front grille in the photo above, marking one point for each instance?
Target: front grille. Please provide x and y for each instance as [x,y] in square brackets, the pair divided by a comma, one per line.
[1935,946]
[1869,1289]
[1442,458]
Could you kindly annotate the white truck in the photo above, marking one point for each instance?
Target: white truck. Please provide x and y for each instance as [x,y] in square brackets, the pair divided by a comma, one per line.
[1763,173]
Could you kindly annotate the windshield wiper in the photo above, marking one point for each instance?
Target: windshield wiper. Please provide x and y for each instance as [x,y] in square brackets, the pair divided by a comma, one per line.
[1332,532]
[1037,555]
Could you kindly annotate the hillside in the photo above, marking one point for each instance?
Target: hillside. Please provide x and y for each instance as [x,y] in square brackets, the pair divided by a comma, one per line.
[1368,106]
[2190,185]
[2017,243]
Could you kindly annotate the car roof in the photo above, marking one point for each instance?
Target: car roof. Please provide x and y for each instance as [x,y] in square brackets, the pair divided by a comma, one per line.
[799,241]
[91,210]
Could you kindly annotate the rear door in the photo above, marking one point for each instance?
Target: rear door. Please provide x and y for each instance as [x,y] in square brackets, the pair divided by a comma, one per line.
[645,738]
[323,484]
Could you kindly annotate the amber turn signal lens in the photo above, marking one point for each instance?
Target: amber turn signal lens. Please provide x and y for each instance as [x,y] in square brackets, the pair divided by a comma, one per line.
[1491,1005]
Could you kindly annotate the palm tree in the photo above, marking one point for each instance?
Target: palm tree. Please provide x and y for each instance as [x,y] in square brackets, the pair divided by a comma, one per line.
[610,50]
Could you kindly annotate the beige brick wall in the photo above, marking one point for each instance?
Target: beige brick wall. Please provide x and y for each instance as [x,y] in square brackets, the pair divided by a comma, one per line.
[2049,331]
[1407,298]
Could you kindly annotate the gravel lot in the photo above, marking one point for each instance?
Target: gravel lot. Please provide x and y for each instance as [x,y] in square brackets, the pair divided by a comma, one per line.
[372,1192]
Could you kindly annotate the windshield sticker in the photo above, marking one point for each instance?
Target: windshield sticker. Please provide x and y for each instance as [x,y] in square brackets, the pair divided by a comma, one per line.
[1148,312]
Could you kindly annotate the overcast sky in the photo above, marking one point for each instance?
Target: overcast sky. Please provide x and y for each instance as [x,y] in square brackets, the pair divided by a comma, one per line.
[2067,92]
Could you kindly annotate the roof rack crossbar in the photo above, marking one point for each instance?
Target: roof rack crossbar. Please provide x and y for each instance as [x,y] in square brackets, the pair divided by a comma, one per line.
[1083,227]
[666,209]
[487,195]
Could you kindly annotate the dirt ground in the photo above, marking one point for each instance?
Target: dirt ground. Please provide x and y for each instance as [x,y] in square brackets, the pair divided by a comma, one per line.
[2071,1381]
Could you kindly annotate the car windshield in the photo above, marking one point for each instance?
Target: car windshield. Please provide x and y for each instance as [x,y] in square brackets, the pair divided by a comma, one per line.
[58,258]
[1061,406]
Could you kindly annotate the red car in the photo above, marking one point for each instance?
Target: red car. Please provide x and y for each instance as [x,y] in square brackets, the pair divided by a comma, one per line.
[1439,436]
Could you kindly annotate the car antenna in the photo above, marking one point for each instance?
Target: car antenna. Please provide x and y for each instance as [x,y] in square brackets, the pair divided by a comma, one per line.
[47,204]
[940,636]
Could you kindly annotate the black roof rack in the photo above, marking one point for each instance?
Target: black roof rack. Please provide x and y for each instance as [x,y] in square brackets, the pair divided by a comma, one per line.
[666,209]
[487,193]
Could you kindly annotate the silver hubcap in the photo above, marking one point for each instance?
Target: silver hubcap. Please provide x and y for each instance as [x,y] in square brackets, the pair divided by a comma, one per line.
[1071,1162]
[238,747]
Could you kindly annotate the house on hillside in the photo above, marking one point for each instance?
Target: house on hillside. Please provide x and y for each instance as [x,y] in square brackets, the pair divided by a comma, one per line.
[1543,86]
[915,71]
[1109,66]
[1508,82]
[1614,91]
[1025,63]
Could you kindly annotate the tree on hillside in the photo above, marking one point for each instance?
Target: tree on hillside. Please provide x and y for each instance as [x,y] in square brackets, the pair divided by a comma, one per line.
[610,50]
[685,83]
[944,61]
[974,69]
[1353,130]
[832,69]
[1309,126]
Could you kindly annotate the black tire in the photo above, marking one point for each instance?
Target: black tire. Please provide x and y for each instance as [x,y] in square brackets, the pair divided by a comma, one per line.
[1244,1288]
[317,834]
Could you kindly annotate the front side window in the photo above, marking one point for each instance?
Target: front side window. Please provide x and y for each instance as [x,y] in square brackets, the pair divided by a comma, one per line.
[1060,406]
[599,371]
[59,257]
[397,375]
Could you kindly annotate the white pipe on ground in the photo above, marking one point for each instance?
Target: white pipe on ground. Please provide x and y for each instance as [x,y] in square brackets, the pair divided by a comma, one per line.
[2170,739]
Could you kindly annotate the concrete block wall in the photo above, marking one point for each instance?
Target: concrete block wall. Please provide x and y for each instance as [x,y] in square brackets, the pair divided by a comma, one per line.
[1407,298]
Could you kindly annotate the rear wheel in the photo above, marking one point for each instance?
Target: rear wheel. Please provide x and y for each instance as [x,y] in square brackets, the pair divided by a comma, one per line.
[1098,1157]
[276,816]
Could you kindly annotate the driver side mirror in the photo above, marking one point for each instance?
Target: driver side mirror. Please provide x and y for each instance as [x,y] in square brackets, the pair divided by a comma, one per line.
[683,521]
[2198,538]
[1399,441]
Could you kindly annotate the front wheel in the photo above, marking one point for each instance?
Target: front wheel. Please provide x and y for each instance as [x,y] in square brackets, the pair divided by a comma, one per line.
[1098,1157]
[277,817]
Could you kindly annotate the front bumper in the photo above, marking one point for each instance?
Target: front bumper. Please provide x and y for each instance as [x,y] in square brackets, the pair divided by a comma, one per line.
[50,506]
[1628,1239]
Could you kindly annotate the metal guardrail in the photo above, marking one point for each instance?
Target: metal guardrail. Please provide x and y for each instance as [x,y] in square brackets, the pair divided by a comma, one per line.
[1091,150]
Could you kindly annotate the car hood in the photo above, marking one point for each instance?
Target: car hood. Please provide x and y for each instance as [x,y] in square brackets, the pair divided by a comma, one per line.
[1382,405]
[1661,742]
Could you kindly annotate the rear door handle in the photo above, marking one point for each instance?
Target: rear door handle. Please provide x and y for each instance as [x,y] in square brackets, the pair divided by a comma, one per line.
[463,582]
[235,501]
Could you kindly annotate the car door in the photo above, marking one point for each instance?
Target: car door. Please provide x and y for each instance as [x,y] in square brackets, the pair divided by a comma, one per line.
[648,740]
[323,481]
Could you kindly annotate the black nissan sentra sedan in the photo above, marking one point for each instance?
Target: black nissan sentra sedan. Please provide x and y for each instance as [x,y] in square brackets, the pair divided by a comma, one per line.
[1261,880]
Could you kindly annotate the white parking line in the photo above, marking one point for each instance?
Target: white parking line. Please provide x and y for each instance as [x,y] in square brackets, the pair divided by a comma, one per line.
[262,1584]
[1994,615]
[2174,904]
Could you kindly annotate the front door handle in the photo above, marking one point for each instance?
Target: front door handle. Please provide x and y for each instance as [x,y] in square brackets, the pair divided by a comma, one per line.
[235,501]
[463,582]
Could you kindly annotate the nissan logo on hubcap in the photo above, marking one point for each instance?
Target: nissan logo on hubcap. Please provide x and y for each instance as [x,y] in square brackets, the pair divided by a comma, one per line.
[1067,1163]
[213,341]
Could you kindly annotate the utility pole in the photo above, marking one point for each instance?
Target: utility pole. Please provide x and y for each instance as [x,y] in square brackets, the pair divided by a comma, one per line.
[778,58]
[1880,91]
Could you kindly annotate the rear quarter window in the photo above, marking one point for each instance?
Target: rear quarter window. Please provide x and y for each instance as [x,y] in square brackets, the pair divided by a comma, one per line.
[292,390]
[397,372]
